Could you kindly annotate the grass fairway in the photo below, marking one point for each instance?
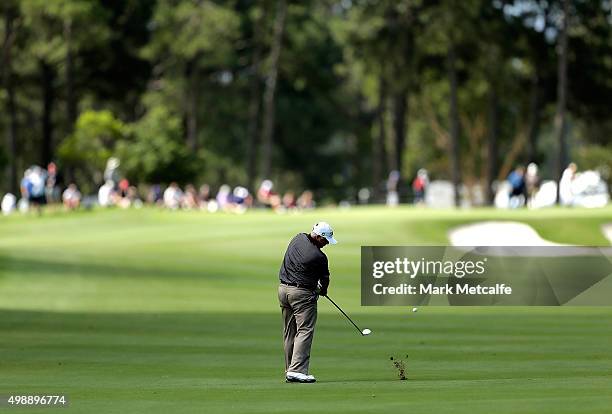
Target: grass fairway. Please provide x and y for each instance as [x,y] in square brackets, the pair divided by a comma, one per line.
[151,311]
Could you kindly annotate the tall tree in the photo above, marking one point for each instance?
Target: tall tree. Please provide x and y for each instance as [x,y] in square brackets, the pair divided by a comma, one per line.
[191,42]
[267,133]
[379,149]
[534,25]
[71,98]
[47,81]
[450,31]
[10,18]
[492,144]
[400,114]
[57,30]
[560,121]
[258,18]
[491,66]
[379,39]
[453,115]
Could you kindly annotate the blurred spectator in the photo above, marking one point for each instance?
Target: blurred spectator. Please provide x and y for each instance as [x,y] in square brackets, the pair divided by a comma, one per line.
[265,194]
[204,196]
[289,201]
[275,202]
[306,200]
[173,196]
[532,182]
[106,194]
[33,186]
[9,203]
[392,195]
[71,197]
[111,172]
[190,198]
[419,186]
[131,199]
[135,200]
[154,196]
[241,199]
[517,187]
[52,192]
[223,197]
[25,186]
[566,194]
[124,184]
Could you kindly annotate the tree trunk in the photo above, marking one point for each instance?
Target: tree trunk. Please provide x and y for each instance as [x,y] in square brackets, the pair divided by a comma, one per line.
[560,121]
[71,104]
[252,130]
[47,78]
[270,90]
[454,125]
[400,109]
[492,157]
[535,110]
[254,106]
[7,80]
[191,81]
[379,153]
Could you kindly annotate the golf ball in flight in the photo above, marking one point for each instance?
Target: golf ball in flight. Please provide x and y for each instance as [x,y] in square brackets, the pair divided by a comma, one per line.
[415,309]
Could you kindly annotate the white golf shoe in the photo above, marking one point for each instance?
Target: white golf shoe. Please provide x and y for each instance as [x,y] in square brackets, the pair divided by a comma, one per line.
[299,377]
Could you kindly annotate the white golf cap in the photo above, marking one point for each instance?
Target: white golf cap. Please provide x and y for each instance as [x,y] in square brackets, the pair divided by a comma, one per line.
[324,229]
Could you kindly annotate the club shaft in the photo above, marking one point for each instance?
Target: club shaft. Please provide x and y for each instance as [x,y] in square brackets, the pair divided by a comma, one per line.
[347,317]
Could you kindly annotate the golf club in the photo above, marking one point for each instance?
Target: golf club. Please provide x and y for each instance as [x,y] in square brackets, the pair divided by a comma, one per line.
[364,332]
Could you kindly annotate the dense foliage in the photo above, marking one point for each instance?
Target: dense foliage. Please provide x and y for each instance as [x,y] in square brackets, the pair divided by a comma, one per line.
[327,95]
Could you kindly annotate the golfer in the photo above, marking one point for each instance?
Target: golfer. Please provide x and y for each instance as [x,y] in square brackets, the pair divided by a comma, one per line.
[304,275]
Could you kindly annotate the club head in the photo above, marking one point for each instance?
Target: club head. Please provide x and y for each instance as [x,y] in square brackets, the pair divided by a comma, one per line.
[366,332]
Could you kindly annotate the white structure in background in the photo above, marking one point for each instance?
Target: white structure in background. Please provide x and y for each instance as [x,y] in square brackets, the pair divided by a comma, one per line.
[546,195]
[440,194]
[471,196]
[9,202]
[363,195]
[502,196]
[23,206]
[607,231]
[589,190]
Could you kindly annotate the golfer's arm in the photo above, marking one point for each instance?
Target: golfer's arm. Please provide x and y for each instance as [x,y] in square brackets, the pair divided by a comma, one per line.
[324,280]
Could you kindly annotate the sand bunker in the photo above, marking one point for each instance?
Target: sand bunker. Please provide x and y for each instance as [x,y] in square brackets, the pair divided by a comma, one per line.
[607,231]
[498,233]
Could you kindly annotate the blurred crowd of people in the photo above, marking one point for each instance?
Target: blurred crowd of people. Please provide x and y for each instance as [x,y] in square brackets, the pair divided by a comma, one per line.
[237,199]
[41,186]
[38,187]
[522,188]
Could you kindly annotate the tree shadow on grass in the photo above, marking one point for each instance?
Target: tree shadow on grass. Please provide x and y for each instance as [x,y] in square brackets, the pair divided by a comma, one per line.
[35,267]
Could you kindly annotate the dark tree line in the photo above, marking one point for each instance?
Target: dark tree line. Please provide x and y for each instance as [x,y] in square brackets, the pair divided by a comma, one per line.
[326,95]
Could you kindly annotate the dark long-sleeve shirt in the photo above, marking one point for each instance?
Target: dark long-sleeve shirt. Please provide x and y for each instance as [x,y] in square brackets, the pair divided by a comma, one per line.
[304,264]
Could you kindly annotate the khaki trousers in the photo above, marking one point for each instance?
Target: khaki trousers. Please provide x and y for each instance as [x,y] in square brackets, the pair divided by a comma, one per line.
[299,308]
